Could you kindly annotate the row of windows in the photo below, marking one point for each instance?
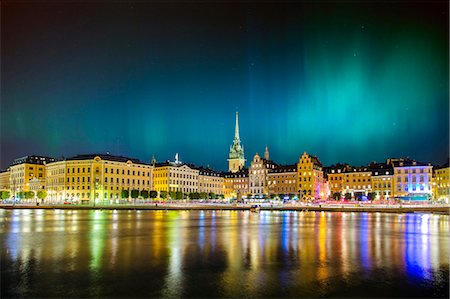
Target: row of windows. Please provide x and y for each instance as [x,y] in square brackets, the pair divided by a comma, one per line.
[412,170]
[359,187]
[83,170]
[133,172]
[111,180]
[78,187]
[292,189]
[282,182]
[413,188]
[186,183]
[160,182]
[212,180]
[414,178]
[305,186]
[210,185]
[240,186]
[382,185]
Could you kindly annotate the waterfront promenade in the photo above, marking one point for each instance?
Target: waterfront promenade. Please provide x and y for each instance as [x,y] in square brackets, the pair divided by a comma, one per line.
[384,208]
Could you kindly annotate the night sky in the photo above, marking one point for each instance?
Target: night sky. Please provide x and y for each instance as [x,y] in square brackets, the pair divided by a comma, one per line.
[346,81]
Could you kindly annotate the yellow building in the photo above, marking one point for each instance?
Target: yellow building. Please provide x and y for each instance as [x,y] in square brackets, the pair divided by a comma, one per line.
[282,181]
[382,181]
[84,178]
[210,181]
[358,182]
[442,183]
[236,184]
[412,179]
[26,169]
[336,179]
[175,176]
[310,178]
[4,180]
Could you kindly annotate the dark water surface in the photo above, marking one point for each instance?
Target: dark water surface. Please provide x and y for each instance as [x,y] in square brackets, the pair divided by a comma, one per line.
[60,253]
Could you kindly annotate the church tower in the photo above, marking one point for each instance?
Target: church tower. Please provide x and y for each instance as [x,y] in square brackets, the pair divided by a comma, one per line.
[236,159]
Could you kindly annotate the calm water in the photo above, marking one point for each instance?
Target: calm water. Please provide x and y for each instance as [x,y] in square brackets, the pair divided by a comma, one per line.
[222,254]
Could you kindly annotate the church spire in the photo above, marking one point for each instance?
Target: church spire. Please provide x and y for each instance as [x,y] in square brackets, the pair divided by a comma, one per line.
[236,158]
[236,128]
[266,153]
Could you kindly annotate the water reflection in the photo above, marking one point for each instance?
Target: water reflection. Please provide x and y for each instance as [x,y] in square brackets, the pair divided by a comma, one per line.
[222,254]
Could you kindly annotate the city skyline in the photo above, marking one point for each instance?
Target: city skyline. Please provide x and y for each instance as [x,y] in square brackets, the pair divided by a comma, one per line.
[346,83]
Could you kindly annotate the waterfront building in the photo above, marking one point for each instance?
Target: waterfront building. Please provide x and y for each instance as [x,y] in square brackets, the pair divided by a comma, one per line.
[358,182]
[99,177]
[236,184]
[382,180]
[175,176]
[310,178]
[412,179]
[4,180]
[336,177]
[236,159]
[258,174]
[210,181]
[442,183]
[25,169]
[282,181]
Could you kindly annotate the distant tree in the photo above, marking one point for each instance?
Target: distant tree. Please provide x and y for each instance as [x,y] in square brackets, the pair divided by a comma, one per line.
[5,194]
[281,196]
[194,195]
[272,196]
[203,195]
[172,194]
[124,194]
[144,194]
[134,193]
[249,195]
[336,196]
[178,195]
[371,196]
[348,196]
[221,196]
[41,194]
[26,194]
[153,194]
[163,194]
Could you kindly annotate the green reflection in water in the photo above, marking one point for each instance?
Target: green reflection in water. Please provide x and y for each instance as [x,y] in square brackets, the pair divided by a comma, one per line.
[97,239]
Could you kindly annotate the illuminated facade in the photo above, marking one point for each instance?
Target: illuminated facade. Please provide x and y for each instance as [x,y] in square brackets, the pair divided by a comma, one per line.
[210,181]
[310,178]
[442,183]
[25,169]
[4,180]
[84,178]
[236,160]
[358,182]
[236,184]
[258,174]
[282,181]
[175,176]
[382,180]
[336,178]
[412,179]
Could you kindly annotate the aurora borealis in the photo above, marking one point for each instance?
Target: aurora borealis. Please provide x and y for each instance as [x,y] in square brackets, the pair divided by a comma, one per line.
[346,81]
